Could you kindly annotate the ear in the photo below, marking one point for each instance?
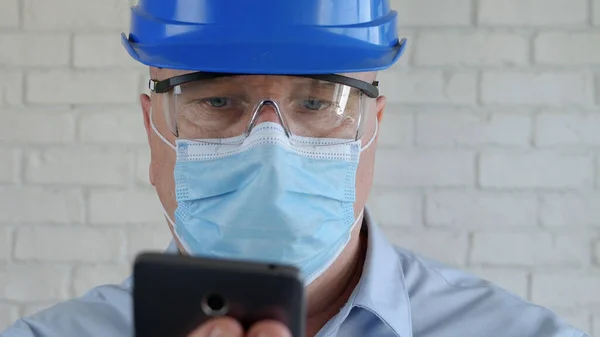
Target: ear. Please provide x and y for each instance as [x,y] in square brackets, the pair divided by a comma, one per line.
[146,105]
[380,105]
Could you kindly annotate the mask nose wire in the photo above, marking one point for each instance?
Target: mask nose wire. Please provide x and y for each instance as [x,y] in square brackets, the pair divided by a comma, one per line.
[256,114]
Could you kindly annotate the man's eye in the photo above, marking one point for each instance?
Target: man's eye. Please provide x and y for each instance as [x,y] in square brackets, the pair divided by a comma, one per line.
[315,104]
[216,102]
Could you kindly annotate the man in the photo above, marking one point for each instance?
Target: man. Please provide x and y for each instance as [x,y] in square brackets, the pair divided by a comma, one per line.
[262,125]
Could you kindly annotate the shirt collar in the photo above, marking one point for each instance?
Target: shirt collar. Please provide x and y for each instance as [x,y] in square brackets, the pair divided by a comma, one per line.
[381,289]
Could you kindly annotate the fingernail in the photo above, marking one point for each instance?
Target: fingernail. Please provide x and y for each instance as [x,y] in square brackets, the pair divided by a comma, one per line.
[216,332]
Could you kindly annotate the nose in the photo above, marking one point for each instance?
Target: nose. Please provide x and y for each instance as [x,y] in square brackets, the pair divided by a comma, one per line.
[268,111]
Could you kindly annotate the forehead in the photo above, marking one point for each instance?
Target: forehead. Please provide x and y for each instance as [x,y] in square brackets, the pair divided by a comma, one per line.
[161,74]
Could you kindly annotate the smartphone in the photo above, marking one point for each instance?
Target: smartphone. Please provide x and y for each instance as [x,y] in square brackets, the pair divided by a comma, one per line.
[174,294]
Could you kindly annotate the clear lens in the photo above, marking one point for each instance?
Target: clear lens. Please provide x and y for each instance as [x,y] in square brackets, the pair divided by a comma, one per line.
[217,109]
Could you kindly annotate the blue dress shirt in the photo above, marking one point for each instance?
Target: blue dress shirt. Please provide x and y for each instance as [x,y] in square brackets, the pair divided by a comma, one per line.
[400,294]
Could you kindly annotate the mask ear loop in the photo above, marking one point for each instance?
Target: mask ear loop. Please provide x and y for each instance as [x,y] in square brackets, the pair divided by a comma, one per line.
[319,272]
[163,138]
[166,141]
[366,146]
[176,230]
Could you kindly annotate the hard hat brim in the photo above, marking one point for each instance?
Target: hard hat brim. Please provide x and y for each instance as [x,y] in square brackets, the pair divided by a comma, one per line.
[266,58]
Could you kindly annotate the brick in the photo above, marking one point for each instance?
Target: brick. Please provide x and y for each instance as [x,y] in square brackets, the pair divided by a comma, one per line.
[421,13]
[34,282]
[596,21]
[11,87]
[513,280]
[86,278]
[34,49]
[19,126]
[82,87]
[142,167]
[570,209]
[9,16]
[5,244]
[9,165]
[575,48]
[80,165]
[530,249]
[126,127]
[536,170]
[429,87]
[567,129]
[156,238]
[8,315]
[552,89]
[125,207]
[533,12]
[575,289]
[396,129]
[447,247]
[69,244]
[472,129]
[598,89]
[471,49]
[76,15]
[424,168]
[100,51]
[27,204]
[480,209]
[393,208]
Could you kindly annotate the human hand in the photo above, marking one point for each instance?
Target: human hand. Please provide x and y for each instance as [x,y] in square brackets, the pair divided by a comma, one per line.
[229,327]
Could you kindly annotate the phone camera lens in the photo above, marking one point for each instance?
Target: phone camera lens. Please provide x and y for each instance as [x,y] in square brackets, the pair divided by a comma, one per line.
[214,305]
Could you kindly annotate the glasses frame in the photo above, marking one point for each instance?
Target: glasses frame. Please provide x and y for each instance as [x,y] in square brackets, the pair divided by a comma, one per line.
[371,90]
[163,86]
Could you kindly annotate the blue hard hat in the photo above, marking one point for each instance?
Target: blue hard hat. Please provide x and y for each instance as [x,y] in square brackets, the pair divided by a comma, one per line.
[265,36]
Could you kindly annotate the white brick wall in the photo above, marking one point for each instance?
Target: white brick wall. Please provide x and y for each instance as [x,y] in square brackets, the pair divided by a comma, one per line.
[471,49]
[9,16]
[575,48]
[596,15]
[480,209]
[543,13]
[536,169]
[529,249]
[445,13]
[488,158]
[554,88]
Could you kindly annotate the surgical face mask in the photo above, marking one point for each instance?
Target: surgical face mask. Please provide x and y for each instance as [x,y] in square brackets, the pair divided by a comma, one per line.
[267,199]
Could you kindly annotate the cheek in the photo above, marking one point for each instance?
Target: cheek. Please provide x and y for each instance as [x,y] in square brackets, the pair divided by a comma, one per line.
[161,171]
[366,166]
[364,178]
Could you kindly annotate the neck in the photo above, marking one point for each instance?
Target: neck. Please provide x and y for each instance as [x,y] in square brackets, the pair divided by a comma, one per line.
[330,292]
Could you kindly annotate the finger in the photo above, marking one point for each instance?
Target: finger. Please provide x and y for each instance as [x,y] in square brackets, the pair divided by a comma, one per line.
[219,327]
[269,328]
